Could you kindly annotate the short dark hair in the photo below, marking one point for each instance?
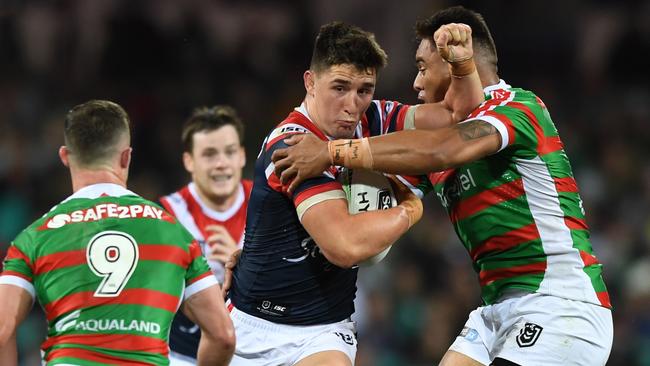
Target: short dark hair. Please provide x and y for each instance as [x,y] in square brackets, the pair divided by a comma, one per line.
[339,43]
[93,130]
[481,36]
[209,119]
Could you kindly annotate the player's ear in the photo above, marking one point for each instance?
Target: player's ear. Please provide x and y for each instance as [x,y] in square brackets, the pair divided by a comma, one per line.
[310,80]
[64,155]
[125,158]
[188,162]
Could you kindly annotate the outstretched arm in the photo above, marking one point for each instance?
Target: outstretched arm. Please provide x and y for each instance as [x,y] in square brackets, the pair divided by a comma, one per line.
[404,152]
[454,45]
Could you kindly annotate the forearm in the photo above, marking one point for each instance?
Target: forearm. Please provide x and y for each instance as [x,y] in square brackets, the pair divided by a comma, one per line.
[8,351]
[359,237]
[464,95]
[405,152]
[212,352]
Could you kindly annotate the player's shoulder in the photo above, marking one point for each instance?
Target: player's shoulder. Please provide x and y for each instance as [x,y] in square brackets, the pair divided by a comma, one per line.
[295,123]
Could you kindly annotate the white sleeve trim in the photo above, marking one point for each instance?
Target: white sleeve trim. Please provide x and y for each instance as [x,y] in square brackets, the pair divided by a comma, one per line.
[200,285]
[20,282]
[500,126]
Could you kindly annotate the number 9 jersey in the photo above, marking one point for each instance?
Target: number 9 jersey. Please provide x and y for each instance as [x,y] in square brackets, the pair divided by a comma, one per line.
[110,269]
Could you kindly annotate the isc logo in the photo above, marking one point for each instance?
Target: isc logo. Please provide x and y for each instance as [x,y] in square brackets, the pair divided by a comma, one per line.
[384,200]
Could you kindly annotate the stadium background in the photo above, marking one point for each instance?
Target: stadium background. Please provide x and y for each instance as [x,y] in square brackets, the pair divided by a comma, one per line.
[160,58]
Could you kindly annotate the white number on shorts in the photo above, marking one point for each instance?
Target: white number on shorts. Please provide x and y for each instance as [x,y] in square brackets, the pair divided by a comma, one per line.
[112,255]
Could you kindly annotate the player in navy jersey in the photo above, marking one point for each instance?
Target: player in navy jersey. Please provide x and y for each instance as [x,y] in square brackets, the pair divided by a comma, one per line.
[294,285]
[506,181]
[213,205]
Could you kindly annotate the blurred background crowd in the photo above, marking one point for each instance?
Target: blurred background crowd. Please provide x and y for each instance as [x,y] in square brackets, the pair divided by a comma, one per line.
[160,58]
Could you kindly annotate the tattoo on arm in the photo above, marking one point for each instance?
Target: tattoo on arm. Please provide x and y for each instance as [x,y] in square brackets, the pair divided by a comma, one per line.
[475,129]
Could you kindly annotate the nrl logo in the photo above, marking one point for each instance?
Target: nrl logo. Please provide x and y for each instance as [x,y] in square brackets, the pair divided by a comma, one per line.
[529,335]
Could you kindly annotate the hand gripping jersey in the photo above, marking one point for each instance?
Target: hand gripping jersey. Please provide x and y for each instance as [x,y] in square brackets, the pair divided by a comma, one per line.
[110,269]
[195,216]
[281,275]
[518,212]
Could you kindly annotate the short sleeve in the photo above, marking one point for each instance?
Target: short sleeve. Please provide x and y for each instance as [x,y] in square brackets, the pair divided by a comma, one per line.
[198,275]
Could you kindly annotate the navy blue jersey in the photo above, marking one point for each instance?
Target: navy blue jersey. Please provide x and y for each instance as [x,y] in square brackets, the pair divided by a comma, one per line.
[282,276]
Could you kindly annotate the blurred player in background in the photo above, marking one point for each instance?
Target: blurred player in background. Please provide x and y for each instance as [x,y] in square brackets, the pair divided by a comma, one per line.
[109,268]
[293,289]
[505,179]
[213,205]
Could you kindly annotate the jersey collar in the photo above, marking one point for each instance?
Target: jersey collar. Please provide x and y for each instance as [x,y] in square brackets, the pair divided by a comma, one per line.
[101,189]
[502,85]
[218,215]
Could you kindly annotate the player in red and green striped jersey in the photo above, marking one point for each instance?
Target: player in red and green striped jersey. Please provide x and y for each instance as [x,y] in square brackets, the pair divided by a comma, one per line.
[507,184]
[109,268]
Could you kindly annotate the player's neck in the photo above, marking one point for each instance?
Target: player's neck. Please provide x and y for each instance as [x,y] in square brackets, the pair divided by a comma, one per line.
[219,204]
[84,178]
[487,75]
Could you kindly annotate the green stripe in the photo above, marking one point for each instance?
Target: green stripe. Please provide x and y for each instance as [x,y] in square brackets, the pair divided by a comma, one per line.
[595,273]
[524,252]
[506,263]
[529,282]
[487,223]
[127,312]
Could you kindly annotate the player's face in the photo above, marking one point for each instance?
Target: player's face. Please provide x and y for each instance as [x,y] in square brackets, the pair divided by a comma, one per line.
[432,79]
[341,95]
[216,163]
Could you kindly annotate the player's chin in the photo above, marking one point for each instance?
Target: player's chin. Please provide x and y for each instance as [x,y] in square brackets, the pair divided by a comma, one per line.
[344,132]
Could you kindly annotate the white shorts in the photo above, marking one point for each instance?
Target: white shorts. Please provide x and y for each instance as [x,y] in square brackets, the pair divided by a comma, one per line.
[261,342]
[536,329]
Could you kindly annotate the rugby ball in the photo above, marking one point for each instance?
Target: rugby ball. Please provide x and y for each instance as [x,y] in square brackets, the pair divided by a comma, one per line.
[367,191]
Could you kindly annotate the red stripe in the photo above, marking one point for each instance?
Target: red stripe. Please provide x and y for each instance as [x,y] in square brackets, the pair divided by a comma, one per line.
[17,274]
[164,201]
[588,259]
[365,131]
[281,137]
[15,253]
[441,177]
[389,117]
[195,251]
[545,144]
[413,180]
[488,198]
[488,276]
[567,184]
[199,277]
[399,124]
[140,296]
[119,342]
[84,354]
[603,297]
[59,260]
[575,223]
[506,241]
[510,127]
[164,253]
[275,184]
[496,100]
[551,144]
[312,191]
